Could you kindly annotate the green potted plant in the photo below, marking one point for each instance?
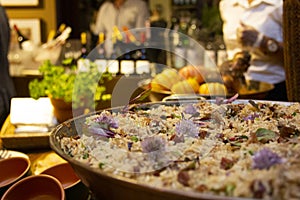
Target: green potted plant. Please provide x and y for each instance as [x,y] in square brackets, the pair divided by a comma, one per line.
[71,89]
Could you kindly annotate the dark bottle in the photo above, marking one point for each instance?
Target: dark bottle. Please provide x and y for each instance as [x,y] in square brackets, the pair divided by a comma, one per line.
[82,62]
[127,64]
[60,29]
[179,49]
[83,41]
[112,61]
[142,63]
[54,34]
[100,56]
[21,38]
[129,35]
[100,46]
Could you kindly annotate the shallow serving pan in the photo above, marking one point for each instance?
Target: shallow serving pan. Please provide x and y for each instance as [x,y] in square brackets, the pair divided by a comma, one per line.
[105,186]
[254,90]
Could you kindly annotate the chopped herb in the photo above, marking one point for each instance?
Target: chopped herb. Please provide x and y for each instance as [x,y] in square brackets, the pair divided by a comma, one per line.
[237,140]
[229,189]
[101,165]
[85,156]
[255,105]
[134,138]
[265,135]
[191,166]
[251,152]
[176,116]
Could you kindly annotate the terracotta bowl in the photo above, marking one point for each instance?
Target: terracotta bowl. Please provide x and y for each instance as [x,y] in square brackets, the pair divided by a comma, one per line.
[74,188]
[35,187]
[11,170]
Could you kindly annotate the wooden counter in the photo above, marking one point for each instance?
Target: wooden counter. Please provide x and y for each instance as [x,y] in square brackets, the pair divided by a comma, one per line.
[24,140]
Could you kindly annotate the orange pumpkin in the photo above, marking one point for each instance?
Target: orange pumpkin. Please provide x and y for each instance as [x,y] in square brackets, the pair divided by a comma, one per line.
[191,71]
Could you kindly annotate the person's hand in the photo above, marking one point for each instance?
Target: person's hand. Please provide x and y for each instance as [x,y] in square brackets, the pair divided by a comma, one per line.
[248,36]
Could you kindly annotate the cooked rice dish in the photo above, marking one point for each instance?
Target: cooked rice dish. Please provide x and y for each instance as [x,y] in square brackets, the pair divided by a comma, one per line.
[240,149]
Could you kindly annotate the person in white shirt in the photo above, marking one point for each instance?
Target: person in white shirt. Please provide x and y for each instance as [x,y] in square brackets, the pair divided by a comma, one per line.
[256,26]
[120,13]
[130,14]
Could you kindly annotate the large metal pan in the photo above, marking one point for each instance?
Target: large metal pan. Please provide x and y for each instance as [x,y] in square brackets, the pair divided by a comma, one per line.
[105,186]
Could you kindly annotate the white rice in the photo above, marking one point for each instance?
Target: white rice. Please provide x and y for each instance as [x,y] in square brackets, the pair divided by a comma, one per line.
[200,163]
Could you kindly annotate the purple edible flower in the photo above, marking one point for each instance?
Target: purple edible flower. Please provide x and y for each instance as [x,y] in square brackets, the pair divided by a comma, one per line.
[152,144]
[102,124]
[265,158]
[101,131]
[251,117]
[187,127]
[107,120]
[190,109]
[221,100]
[232,99]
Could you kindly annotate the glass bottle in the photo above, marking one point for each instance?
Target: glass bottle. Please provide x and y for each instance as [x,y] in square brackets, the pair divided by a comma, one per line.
[23,41]
[60,29]
[100,59]
[112,61]
[221,54]
[142,64]
[51,35]
[83,42]
[127,64]
[210,55]
[82,62]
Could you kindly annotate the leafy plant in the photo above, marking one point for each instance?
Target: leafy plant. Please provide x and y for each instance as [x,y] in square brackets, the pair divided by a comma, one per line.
[80,85]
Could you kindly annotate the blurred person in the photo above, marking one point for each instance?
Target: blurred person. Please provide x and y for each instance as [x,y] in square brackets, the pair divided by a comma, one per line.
[256,26]
[120,13]
[156,55]
[7,89]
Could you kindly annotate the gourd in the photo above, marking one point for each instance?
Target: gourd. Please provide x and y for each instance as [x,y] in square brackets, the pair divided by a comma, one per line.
[166,79]
[191,71]
[186,86]
[213,88]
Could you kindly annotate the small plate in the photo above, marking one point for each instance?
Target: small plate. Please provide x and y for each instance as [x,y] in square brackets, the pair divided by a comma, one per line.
[9,154]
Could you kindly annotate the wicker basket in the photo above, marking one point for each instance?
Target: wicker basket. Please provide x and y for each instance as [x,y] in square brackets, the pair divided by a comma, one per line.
[291,34]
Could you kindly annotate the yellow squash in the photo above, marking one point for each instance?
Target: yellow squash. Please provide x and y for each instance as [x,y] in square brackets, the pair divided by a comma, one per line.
[214,88]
